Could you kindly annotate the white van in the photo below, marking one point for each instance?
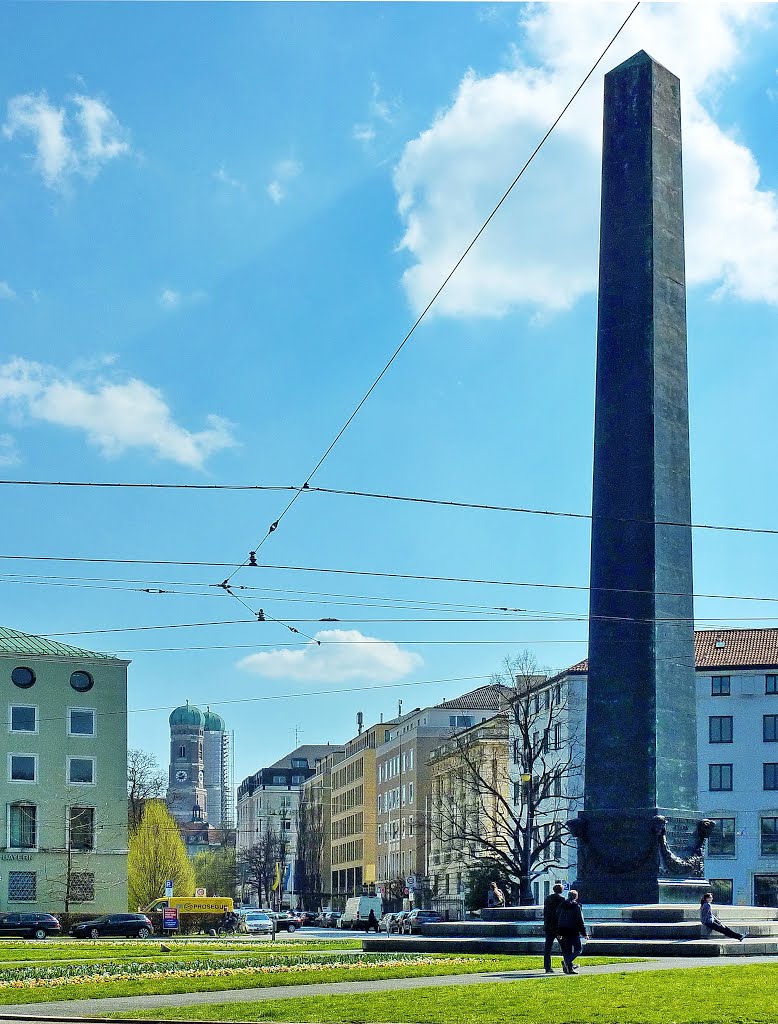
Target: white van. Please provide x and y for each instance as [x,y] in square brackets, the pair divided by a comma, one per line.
[358,910]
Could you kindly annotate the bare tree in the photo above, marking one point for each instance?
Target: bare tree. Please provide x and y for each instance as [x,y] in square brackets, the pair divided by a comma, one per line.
[145,781]
[310,849]
[515,819]
[257,866]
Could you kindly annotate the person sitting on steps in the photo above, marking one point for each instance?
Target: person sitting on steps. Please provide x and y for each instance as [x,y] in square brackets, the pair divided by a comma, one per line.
[709,919]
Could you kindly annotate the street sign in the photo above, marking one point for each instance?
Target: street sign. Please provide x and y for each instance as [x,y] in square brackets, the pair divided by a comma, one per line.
[410,881]
[200,892]
[170,918]
[168,888]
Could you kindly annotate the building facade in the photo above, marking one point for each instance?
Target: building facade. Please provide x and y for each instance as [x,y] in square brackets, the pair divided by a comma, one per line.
[470,790]
[268,802]
[737,752]
[404,784]
[353,841]
[64,787]
[313,871]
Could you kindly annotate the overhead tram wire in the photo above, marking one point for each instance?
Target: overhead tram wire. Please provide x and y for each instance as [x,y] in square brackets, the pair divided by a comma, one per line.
[481,506]
[274,525]
[377,574]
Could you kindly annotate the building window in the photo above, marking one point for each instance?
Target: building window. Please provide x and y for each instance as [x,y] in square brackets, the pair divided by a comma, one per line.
[719,777]
[81,722]
[771,684]
[410,792]
[721,842]
[23,677]
[720,686]
[769,837]
[81,771]
[82,886]
[21,886]
[300,762]
[770,776]
[287,825]
[460,721]
[24,718]
[278,780]
[770,728]
[516,792]
[81,828]
[722,890]
[557,785]
[720,728]
[22,827]
[516,752]
[81,682]
[410,760]
[298,780]
[23,767]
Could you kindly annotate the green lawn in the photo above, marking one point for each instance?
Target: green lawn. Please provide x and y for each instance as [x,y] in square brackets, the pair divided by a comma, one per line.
[89,987]
[700,995]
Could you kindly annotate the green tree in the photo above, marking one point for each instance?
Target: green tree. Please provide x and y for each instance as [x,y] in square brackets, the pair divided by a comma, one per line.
[216,872]
[156,854]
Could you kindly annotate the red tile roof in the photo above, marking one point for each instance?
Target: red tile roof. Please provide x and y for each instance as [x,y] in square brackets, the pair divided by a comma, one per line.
[722,649]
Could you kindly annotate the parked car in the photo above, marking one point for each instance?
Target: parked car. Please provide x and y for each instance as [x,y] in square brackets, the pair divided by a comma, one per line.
[258,922]
[286,922]
[385,924]
[397,924]
[309,917]
[330,919]
[132,925]
[29,926]
[416,918]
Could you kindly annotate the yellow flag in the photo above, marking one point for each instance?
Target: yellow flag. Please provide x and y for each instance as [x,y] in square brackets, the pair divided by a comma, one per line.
[277,879]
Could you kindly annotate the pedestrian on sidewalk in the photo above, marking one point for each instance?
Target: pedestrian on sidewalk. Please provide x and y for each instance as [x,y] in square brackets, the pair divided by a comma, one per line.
[709,919]
[571,929]
[551,907]
[372,922]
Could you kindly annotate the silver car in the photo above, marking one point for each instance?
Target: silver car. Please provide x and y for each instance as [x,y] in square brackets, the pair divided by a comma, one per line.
[258,923]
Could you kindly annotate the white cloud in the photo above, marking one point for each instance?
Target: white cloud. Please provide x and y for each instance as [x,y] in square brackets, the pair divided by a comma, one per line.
[115,416]
[341,655]
[284,172]
[225,178]
[540,251]
[6,291]
[169,298]
[9,455]
[60,152]
[379,112]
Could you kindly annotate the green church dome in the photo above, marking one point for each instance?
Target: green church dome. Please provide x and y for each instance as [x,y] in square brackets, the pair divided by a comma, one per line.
[214,722]
[188,715]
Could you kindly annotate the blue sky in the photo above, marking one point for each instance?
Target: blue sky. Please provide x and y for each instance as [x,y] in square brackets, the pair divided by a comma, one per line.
[220,220]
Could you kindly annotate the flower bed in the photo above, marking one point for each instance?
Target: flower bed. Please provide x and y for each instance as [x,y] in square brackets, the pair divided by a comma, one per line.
[90,974]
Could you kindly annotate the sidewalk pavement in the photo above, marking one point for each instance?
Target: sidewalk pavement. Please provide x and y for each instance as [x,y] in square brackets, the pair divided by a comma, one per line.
[130,1004]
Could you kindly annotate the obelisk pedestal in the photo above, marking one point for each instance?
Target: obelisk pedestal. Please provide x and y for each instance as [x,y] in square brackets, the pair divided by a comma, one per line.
[640,837]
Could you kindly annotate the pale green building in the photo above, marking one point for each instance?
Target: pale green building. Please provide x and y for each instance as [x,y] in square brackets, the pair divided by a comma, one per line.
[64,777]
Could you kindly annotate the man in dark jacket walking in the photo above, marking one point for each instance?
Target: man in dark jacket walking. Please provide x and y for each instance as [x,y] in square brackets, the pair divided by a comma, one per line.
[550,913]
[571,929]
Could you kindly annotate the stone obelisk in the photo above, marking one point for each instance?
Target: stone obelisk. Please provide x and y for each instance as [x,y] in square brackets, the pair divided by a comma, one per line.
[639,836]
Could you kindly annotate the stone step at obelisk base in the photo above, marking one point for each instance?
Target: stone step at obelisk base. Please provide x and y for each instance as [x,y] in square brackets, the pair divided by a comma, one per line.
[653,930]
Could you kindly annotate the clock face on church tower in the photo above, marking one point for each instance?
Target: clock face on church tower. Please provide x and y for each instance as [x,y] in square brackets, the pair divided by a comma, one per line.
[181,776]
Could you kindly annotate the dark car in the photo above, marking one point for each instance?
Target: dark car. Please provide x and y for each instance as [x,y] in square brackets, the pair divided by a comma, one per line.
[29,926]
[288,922]
[330,919]
[413,922]
[309,917]
[132,925]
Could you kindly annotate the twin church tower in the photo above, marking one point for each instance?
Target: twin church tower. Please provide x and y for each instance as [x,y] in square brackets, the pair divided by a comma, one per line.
[199,775]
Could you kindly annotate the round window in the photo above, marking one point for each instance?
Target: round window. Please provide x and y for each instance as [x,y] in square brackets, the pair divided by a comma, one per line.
[81,681]
[23,677]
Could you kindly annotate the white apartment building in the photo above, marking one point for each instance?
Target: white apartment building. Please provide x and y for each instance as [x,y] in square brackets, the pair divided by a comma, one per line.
[268,801]
[737,749]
